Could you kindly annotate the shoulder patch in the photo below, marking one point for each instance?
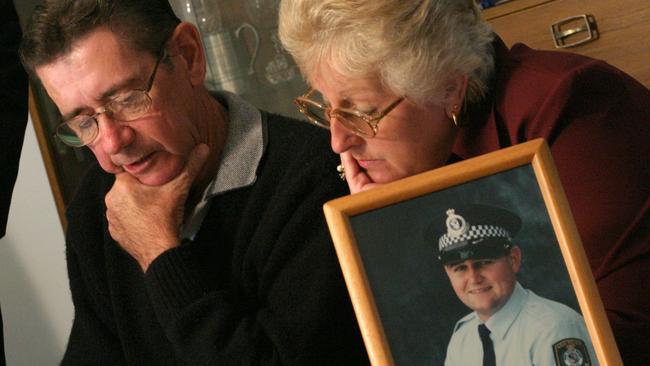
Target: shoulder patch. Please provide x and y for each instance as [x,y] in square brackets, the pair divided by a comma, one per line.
[571,352]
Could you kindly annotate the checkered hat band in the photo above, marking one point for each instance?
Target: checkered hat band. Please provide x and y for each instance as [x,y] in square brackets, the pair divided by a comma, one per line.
[474,232]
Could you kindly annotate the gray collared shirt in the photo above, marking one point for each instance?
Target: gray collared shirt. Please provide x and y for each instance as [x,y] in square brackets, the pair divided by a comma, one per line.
[240,157]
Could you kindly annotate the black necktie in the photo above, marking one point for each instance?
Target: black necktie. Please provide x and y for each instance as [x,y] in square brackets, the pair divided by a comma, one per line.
[488,347]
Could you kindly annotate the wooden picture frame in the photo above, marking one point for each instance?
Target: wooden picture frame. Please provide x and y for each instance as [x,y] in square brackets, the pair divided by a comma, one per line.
[403,301]
[64,165]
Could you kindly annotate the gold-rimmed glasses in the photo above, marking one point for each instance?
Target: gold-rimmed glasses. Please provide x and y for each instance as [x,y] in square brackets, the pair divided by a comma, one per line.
[362,124]
[81,129]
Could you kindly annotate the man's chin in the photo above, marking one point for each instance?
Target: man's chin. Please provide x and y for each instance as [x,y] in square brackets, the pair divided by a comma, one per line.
[158,172]
[154,180]
[158,177]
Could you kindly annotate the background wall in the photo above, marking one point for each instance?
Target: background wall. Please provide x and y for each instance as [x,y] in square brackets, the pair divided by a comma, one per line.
[34,293]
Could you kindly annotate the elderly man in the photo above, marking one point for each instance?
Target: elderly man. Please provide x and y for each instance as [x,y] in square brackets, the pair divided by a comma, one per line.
[202,240]
[509,325]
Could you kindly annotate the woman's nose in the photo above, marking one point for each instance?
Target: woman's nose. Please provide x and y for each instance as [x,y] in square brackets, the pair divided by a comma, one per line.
[342,139]
[113,135]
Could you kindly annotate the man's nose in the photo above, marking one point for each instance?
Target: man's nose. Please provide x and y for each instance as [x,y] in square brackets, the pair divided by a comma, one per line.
[342,139]
[474,274]
[113,135]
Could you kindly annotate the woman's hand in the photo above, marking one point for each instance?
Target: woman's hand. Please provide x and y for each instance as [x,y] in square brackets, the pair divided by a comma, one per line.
[357,178]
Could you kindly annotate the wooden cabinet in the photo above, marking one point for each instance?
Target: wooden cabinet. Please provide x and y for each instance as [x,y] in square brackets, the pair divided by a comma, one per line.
[620,29]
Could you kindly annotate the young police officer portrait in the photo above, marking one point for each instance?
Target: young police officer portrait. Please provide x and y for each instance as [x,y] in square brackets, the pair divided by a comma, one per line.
[508,324]
[415,299]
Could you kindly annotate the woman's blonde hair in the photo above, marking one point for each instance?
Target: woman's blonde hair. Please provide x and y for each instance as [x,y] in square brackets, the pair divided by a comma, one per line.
[414,46]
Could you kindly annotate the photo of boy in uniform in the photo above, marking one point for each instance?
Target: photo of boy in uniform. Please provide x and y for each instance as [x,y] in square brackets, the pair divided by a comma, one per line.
[508,325]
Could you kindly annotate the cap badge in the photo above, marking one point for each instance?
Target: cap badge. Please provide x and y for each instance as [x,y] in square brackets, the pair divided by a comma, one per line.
[456,224]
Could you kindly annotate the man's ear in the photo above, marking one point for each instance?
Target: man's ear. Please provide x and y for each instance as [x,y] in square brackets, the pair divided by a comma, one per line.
[186,43]
[514,258]
[455,91]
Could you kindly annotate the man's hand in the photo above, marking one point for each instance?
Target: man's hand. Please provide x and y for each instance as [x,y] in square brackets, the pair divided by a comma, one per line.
[145,220]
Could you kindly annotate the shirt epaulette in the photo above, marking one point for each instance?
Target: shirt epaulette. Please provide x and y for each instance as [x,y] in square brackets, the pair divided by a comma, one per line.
[467,318]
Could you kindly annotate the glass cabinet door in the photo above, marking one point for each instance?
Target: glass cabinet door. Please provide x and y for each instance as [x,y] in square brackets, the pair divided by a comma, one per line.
[243,51]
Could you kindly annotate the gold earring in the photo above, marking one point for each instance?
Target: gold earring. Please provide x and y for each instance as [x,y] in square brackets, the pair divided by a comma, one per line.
[454,118]
[454,115]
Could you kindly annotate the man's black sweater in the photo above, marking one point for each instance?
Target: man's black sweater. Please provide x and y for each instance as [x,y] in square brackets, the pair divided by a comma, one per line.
[260,283]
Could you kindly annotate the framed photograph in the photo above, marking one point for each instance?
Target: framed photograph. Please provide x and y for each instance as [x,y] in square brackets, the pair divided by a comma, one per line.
[405,248]
[64,165]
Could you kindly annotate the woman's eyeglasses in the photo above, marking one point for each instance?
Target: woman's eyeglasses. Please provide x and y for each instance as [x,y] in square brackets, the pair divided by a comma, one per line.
[362,124]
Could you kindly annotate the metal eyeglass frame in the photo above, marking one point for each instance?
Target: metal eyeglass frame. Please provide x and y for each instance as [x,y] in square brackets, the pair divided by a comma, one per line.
[107,109]
[371,120]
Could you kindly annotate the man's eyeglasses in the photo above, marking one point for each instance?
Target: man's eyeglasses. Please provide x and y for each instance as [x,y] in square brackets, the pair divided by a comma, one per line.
[362,124]
[81,130]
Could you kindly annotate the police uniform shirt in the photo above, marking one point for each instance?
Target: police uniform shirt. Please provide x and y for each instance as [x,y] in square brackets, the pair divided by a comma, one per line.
[527,330]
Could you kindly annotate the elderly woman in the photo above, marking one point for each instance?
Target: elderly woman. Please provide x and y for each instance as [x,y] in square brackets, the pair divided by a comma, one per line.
[407,86]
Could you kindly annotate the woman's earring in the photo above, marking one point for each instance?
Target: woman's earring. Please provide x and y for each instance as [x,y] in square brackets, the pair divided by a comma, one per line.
[454,115]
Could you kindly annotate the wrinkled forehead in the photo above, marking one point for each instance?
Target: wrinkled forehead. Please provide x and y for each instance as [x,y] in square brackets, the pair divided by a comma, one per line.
[95,67]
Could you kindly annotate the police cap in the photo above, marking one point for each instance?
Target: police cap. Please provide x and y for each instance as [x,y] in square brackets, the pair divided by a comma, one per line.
[474,232]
